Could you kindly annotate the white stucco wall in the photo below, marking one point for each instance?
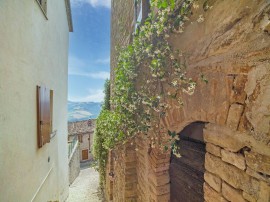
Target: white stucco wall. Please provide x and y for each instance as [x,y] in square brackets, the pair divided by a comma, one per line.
[85,145]
[33,51]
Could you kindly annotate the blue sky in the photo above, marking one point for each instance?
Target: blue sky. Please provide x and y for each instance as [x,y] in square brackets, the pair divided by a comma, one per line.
[89,50]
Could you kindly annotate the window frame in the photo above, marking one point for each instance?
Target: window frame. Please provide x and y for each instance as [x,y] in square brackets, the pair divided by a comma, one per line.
[142,8]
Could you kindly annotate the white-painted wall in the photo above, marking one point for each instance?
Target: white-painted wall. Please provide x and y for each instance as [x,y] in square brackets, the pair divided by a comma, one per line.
[85,144]
[33,51]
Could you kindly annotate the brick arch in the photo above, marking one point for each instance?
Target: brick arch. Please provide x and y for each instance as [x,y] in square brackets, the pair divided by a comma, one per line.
[209,103]
[216,104]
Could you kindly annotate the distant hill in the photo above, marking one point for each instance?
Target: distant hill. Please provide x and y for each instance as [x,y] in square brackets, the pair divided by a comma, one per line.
[79,111]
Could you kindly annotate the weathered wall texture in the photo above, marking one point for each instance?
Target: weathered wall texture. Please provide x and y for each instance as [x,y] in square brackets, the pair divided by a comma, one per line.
[74,164]
[122,27]
[85,132]
[34,51]
[121,181]
[232,49]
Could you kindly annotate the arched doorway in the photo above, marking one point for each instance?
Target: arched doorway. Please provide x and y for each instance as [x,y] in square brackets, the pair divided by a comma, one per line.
[187,172]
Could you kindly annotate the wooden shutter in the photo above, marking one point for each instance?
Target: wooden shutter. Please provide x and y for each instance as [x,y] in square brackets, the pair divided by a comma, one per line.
[44,112]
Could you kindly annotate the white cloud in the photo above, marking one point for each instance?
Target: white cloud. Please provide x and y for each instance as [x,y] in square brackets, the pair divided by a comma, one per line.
[78,68]
[94,75]
[80,114]
[93,3]
[93,96]
[103,61]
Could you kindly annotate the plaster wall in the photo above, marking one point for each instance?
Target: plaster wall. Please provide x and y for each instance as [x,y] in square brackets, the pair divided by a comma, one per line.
[86,144]
[74,164]
[34,51]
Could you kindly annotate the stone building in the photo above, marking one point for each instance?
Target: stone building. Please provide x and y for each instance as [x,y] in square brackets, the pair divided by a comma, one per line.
[84,132]
[34,39]
[224,126]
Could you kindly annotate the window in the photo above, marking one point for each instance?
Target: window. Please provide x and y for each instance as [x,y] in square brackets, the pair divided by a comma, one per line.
[142,8]
[43,5]
[80,137]
[44,115]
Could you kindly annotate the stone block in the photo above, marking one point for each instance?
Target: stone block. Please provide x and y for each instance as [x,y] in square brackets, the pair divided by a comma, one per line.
[233,140]
[131,199]
[238,94]
[213,149]
[264,194]
[160,190]
[232,175]
[234,116]
[163,159]
[163,167]
[223,137]
[213,181]
[132,164]
[235,159]
[257,175]
[160,198]
[249,198]
[258,162]
[130,193]
[130,157]
[211,195]
[131,178]
[130,171]
[231,194]
[160,178]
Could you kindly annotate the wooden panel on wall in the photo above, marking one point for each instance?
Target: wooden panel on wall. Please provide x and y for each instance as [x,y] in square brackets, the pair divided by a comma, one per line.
[85,154]
[44,115]
[187,172]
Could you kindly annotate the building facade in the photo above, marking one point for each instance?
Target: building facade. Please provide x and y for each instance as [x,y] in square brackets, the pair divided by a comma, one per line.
[84,132]
[34,40]
[223,127]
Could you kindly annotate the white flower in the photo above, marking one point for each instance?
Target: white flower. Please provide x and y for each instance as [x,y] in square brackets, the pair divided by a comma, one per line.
[177,155]
[195,6]
[174,83]
[200,19]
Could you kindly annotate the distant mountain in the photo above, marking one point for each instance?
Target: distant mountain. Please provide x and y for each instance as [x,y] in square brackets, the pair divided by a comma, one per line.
[79,111]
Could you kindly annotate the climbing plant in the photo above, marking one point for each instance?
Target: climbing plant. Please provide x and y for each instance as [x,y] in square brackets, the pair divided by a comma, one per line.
[149,73]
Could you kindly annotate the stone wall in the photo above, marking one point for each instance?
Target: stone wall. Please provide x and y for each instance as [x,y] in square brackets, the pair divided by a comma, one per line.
[237,166]
[122,27]
[74,164]
[232,49]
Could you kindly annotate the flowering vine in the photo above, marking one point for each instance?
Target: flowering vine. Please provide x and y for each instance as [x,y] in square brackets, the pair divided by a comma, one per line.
[149,73]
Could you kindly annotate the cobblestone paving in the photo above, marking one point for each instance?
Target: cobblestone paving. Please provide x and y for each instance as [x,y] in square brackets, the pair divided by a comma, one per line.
[85,187]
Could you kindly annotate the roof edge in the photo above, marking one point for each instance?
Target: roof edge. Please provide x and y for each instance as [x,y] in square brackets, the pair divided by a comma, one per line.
[69,15]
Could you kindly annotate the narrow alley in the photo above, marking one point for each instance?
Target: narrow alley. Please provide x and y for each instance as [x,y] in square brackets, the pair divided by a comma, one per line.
[85,187]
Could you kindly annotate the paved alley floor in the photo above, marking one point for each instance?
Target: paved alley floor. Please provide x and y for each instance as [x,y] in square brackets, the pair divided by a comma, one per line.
[85,187]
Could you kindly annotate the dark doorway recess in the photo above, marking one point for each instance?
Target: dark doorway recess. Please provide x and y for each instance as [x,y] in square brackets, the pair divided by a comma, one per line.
[186,172]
